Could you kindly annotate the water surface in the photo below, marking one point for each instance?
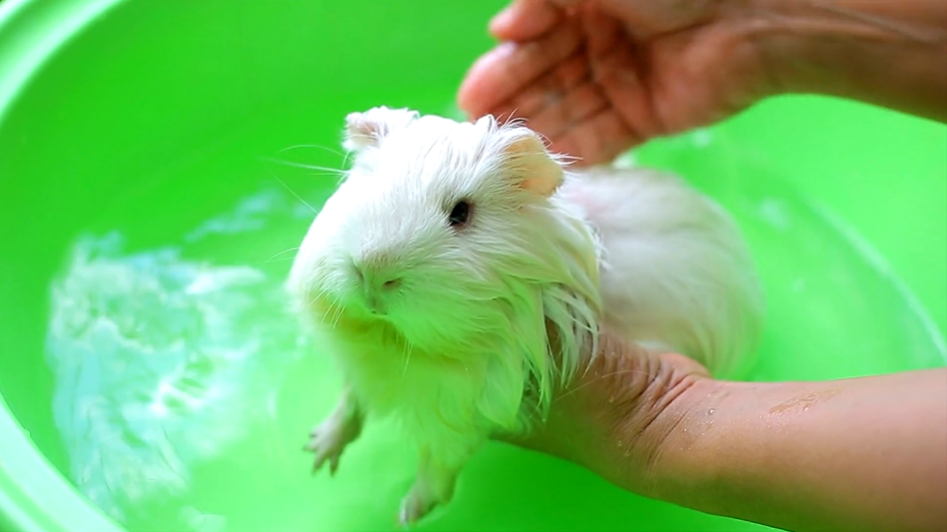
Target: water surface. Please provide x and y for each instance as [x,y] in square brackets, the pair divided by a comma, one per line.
[184,389]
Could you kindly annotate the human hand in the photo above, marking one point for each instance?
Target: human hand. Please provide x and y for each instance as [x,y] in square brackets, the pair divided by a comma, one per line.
[615,415]
[597,77]
[766,452]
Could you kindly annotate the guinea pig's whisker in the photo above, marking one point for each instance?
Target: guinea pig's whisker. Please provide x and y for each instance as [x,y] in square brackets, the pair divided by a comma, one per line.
[335,312]
[345,159]
[285,251]
[313,300]
[316,146]
[291,191]
[320,293]
[284,259]
[336,172]
[336,315]
[410,349]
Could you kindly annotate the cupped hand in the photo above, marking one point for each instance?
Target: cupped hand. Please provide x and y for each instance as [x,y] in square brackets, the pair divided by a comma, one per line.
[615,414]
[597,77]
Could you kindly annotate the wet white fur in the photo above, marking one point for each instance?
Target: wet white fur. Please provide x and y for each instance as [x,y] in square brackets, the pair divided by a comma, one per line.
[676,274]
[463,338]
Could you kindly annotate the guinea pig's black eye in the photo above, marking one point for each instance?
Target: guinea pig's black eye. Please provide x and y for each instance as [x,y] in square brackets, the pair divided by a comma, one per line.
[459,214]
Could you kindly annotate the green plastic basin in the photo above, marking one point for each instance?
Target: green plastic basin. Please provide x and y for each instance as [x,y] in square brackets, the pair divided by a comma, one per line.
[150,378]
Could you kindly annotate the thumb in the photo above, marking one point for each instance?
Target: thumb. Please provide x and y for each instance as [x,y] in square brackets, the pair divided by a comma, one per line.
[606,389]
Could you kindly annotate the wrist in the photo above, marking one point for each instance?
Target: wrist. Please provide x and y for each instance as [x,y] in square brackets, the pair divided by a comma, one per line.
[666,409]
[885,53]
[674,460]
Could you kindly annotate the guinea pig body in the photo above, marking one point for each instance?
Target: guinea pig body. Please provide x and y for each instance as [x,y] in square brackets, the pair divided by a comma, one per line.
[676,274]
[437,272]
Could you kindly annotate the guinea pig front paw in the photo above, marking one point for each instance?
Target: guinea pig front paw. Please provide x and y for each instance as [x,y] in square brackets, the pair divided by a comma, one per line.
[328,439]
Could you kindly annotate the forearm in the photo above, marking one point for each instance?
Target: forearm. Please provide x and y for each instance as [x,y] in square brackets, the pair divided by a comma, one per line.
[859,454]
[891,53]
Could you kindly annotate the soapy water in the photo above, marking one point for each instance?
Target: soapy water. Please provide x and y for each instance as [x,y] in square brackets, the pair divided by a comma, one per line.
[165,362]
[156,356]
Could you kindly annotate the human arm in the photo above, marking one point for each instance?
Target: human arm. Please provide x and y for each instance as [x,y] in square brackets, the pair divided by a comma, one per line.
[892,54]
[859,454]
[600,76]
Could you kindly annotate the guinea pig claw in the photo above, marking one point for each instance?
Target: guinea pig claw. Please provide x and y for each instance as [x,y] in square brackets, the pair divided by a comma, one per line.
[404,521]
[328,441]
[413,508]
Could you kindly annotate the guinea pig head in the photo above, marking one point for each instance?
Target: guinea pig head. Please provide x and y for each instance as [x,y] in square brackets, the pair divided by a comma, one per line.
[450,232]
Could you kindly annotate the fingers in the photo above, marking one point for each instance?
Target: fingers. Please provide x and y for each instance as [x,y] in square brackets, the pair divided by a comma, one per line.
[685,365]
[512,69]
[528,19]
[583,122]
[575,83]
[596,140]
[524,20]
[602,31]
[542,101]
[580,103]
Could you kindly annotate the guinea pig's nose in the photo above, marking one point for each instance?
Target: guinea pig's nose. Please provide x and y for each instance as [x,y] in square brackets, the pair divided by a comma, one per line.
[382,282]
[373,278]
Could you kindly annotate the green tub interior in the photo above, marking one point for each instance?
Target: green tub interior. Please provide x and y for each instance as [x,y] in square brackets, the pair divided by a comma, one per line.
[148,216]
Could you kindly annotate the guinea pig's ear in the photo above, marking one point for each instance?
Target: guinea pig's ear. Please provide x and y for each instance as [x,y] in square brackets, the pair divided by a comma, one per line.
[367,129]
[535,169]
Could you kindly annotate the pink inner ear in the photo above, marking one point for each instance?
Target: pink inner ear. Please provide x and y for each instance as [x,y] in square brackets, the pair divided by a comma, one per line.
[537,172]
[369,127]
[362,130]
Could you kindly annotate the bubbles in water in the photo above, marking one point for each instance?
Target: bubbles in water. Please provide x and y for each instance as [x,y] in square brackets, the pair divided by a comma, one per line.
[156,359]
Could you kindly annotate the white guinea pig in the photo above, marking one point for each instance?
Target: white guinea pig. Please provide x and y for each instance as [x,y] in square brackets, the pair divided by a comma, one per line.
[432,274]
